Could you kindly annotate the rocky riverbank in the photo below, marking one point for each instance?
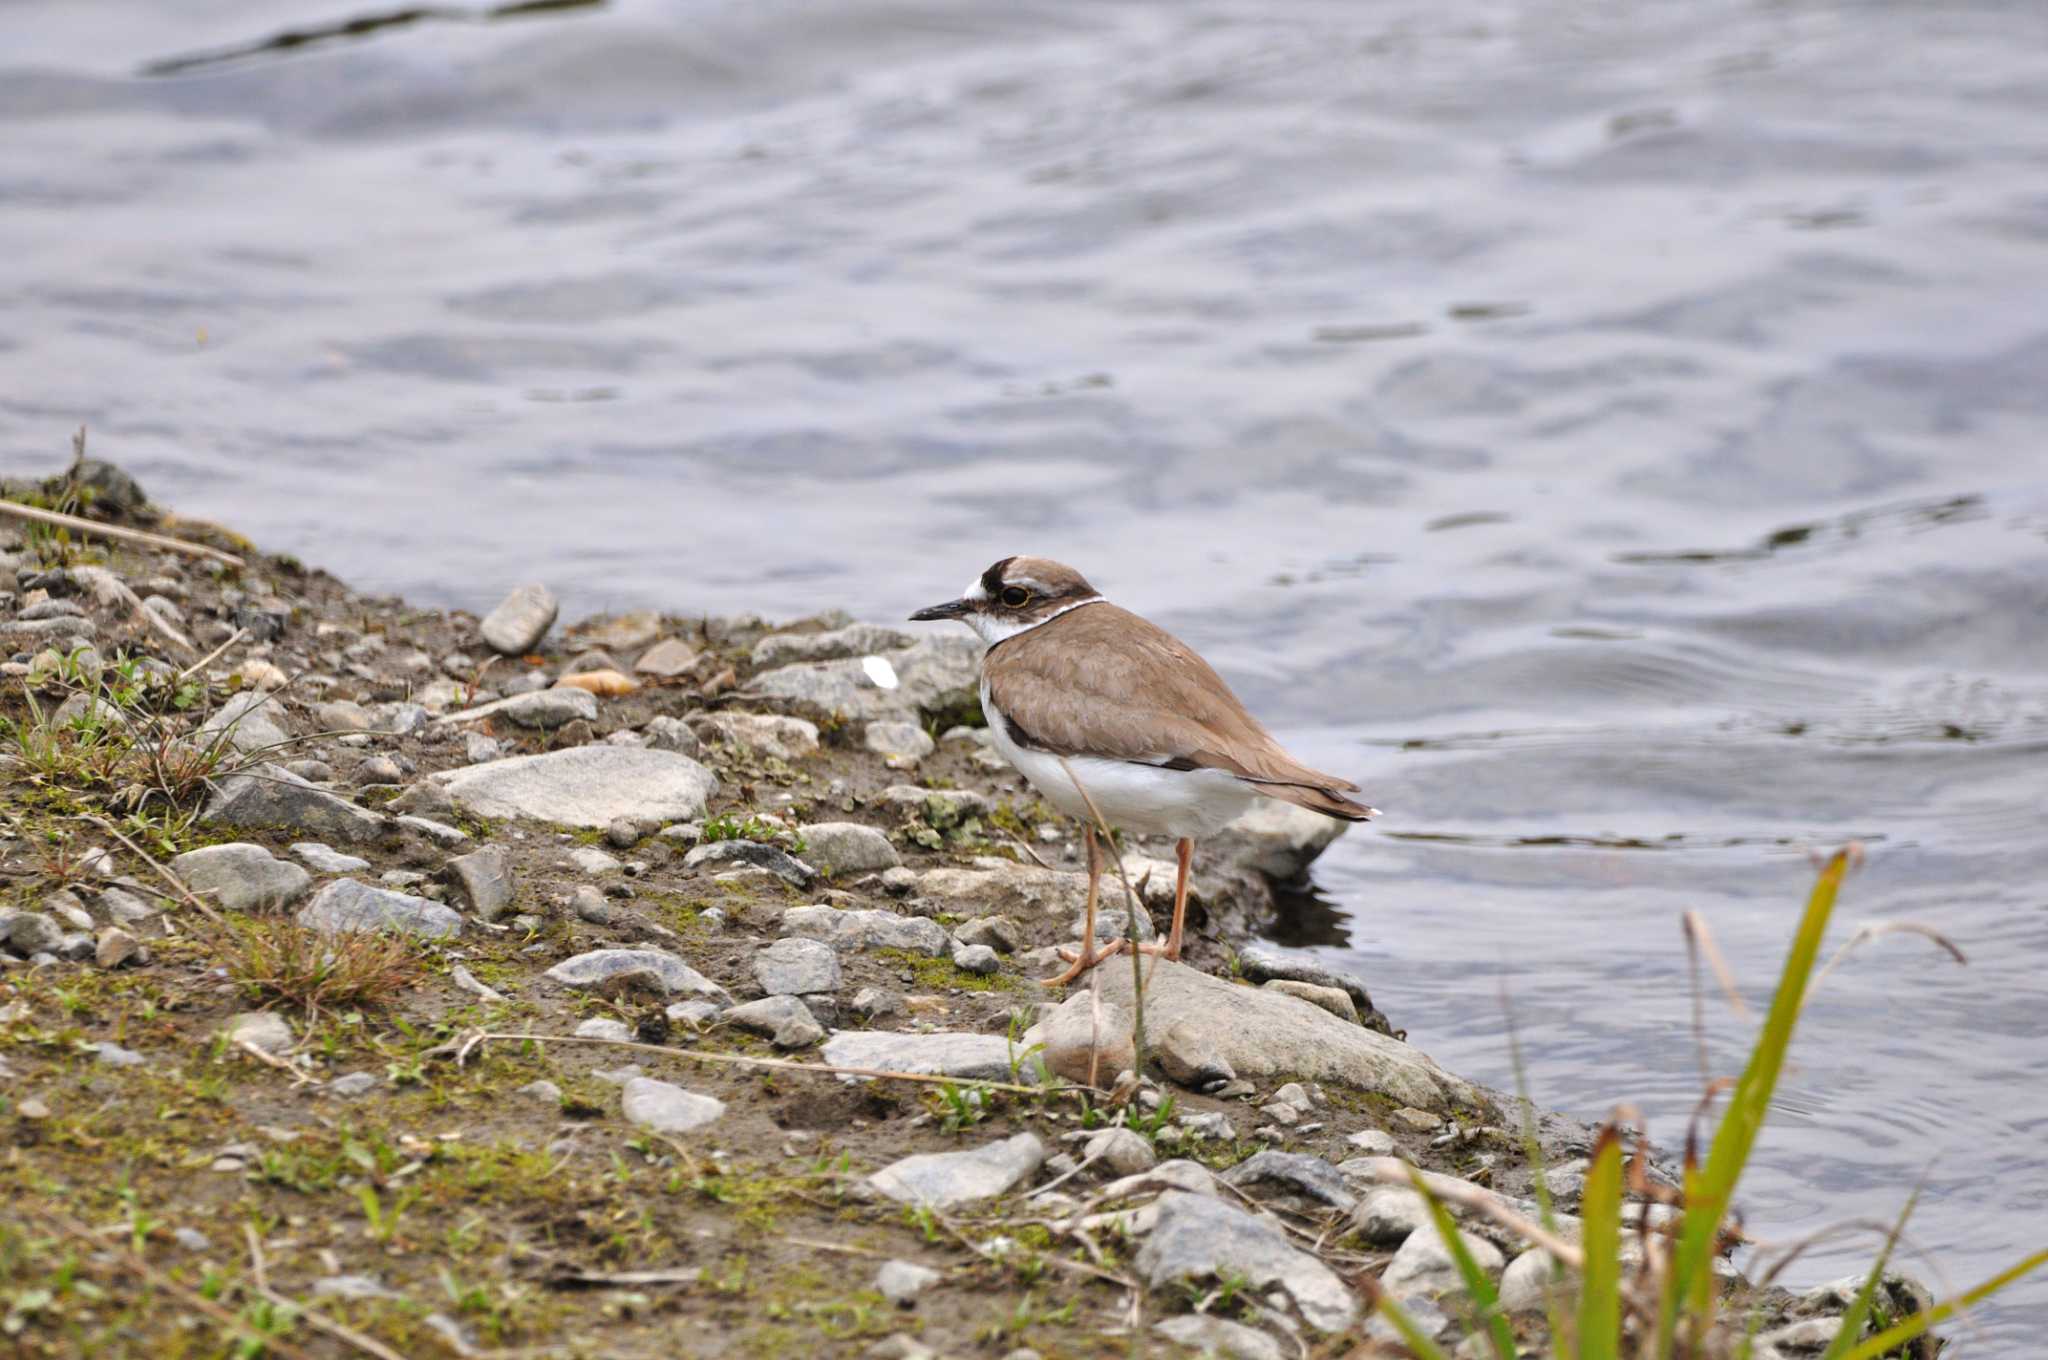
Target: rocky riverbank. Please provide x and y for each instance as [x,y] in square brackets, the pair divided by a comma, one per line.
[277,854]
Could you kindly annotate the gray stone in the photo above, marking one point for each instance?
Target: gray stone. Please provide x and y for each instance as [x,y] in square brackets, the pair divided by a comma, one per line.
[584,786]
[520,621]
[590,905]
[1429,1319]
[379,770]
[1388,1215]
[1084,1045]
[666,1108]
[1123,1151]
[1219,1337]
[672,734]
[767,733]
[347,905]
[623,833]
[974,1057]
[666,659]
[312,771]
[75,946]
[1335,1000]
[1197,1238]
[949,1180]
[670,974]
[859,639]
[934,673]
[191,1239]
[867,929]
[1526,1282]
[478,749]
[1297,1172]
[1372,1143]
[848,848]
[352,1086]
[784,1020]
[28,634]
[594,861]
[271,796]
[33,932]
[904,740]
[440,833]
[975,958]
[116,947]
[341,715]
[262,1029]
[797,967]
[543,709]
[113,1055]
[249,721]
[323,859]
[65,906]
[484,877]
[732,853]
[997,932]
[1195,1022]
[125,907]
[242,877]
[542,1091]
[1424,1265]
[1262,962]
[901,1282]
[468,982]
[399,718]
[695,1013]
[601,1027]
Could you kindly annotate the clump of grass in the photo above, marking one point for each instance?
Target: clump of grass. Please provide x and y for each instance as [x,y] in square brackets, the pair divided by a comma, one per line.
[283,961]
[1660,1300]
[728,826]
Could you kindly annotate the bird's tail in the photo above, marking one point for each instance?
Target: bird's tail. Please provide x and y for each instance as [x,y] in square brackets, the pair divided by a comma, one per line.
[1326,801]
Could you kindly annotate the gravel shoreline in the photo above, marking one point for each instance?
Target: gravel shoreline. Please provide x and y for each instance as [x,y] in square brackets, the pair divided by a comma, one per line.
[688,851]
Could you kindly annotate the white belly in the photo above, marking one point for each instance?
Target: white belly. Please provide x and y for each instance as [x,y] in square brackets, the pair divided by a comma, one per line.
[1144,799]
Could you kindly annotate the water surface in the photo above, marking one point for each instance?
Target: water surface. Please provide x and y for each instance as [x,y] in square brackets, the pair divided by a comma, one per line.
[1613,433]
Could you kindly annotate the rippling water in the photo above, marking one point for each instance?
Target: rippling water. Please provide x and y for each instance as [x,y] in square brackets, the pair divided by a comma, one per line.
[1615,433]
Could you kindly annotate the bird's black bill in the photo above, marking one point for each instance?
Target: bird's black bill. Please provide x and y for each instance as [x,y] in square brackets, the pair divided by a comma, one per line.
[951,609]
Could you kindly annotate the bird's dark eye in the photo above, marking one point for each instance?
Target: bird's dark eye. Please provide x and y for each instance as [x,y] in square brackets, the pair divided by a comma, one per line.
[1015,596]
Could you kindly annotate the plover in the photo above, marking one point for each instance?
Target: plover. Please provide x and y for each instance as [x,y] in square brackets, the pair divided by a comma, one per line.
[1075,688]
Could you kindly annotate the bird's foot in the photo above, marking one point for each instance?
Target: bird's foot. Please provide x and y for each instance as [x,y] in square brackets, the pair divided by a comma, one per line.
[1165,949]
[1083,960]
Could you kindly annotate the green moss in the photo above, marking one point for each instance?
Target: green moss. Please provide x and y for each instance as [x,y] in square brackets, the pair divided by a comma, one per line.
[938,974]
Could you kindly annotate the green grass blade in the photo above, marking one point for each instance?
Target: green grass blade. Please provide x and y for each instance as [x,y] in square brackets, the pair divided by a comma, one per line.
[1411,1335]
[1905,1330]
[1600,1240]
[1852,1321]
[1690,1288]
[1485,1298]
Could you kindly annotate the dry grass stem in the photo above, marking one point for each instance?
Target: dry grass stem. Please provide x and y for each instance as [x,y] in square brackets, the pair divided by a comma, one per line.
[60,520]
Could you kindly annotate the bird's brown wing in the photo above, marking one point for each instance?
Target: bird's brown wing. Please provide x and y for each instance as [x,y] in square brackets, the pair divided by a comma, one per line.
[1101,681]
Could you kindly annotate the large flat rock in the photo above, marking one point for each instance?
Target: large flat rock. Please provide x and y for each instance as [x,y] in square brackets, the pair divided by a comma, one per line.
[272,796]
[947,1180]
[346,905]
[1193,1021]
[584,786]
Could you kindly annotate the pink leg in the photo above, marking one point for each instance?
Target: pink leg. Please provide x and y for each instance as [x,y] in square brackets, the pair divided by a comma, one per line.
[1087,956]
